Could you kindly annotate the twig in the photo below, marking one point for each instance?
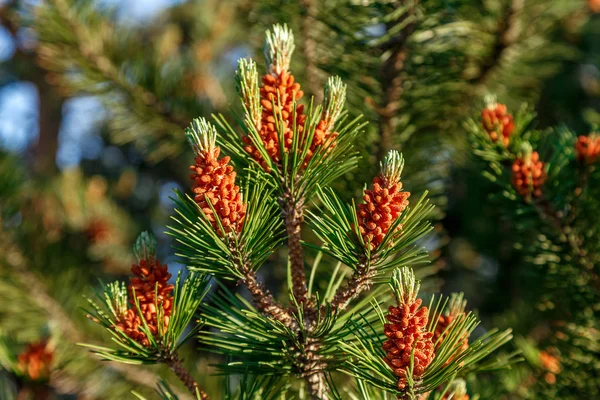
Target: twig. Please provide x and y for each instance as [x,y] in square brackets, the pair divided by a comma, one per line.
[175,365]
[507,34]
[392,80]
[309,47]
[293,212]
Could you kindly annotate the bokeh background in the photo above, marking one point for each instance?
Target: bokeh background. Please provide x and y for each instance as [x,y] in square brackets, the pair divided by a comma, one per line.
[94,96]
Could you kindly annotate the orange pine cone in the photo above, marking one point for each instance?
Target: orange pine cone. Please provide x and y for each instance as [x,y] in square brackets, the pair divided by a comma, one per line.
[383,205]
[443,322]
[406,331]
[528,175]
[277,97]
[35,361]
[214,180]
[150,286]
[498,123]
[587,149]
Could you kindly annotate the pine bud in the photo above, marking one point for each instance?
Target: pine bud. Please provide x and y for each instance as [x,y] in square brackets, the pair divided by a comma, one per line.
[279,46]
[214,180]
[406,329]
[587,149]
[384,203]
[246,77]
[497,122]
[35,361]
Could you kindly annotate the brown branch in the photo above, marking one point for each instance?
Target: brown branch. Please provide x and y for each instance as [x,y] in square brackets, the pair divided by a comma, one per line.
[506,35]
[293,213]
[175,365]
[309,47]
[264,300]
[392,80]
[360,281]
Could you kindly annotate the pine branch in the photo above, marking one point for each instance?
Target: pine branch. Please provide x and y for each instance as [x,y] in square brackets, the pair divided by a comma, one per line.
[506,35]
[568,234]
[392,80]
[309,47]
[15,260]
[105,66]
[263,299]
[175,365]
[360,281]
[293,210]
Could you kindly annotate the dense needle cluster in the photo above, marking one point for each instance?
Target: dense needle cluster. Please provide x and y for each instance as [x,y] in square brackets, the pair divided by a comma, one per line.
[587,149]
[455,310]
[498,122]
[150,287]
[528,175]
[406,330]
[214,186]
[384,203]
[35,361]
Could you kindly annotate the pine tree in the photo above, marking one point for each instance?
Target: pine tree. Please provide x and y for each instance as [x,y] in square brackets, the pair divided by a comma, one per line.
[414,69]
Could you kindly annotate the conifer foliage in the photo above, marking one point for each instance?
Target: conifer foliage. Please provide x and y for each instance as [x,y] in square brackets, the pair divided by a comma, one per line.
[545,185]
[245,205]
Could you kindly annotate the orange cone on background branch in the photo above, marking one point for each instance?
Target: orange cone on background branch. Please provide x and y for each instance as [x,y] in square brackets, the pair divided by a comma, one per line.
[551,364]
[497,122]
[406,329]
[213,179]
[384,203]
[528,174]
[587,149]
[35,361]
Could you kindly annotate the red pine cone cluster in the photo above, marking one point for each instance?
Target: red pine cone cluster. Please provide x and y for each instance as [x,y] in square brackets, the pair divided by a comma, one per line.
[283,90]
[150,285]
[587,149]
[406,331]
[383,205]
[498,123]
[36,361]
[214,180]
[528,175]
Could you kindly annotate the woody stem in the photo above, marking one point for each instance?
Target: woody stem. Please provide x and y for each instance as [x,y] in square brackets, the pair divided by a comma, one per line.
[361,280]
[175,365]
[293,210]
